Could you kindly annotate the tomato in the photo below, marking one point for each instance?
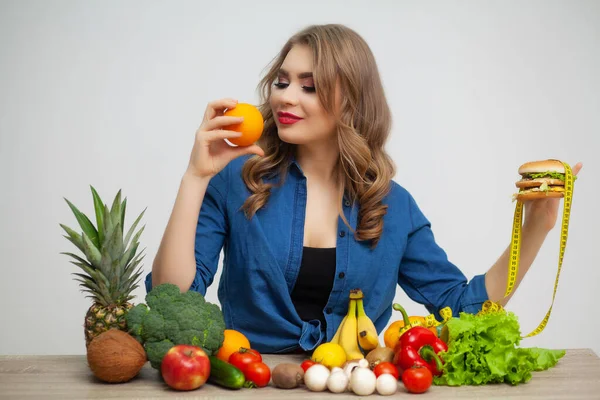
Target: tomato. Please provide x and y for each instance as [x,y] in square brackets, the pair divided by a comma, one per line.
[386,368]
[417,379]
[258,373]
[306,364]
[243,357]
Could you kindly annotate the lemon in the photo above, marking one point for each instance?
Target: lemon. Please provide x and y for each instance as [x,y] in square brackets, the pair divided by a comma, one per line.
[330,355]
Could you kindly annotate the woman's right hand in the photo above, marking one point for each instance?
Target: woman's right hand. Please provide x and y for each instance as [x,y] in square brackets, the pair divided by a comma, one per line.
[211,153]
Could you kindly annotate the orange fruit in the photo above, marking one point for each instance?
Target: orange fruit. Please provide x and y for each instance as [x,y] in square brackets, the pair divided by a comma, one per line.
[251,127]
[232,343]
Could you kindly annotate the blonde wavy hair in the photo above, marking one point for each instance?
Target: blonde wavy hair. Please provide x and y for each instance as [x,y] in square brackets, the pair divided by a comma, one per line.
[365,170]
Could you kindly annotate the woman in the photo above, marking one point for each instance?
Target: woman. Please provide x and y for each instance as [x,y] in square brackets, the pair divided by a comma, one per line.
[313,212]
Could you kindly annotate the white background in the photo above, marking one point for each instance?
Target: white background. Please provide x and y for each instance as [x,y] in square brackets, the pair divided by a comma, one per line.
[110,93]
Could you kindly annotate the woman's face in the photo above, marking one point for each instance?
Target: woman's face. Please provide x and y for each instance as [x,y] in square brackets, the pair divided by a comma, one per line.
[298,112]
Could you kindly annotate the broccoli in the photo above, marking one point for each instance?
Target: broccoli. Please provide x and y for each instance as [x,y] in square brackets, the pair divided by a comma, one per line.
[170,317]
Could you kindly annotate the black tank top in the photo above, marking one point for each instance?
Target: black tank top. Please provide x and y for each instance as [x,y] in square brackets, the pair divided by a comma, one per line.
[314,283]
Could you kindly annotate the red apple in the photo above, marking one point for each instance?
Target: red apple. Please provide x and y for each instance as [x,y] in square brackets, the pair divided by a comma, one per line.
[185,367]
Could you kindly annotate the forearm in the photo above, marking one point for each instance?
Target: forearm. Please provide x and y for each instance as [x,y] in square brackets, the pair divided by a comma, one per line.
[496,278]
[175,261]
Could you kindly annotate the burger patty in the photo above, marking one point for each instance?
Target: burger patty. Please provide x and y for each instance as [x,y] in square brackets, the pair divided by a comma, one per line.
[539,189]
[528,183]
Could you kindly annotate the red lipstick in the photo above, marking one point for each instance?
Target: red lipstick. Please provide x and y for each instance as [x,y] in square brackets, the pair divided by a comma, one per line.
[288,118]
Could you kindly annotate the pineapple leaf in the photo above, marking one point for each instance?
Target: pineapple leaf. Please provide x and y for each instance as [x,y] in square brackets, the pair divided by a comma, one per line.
[91,272]
[123,208]
[132,270]
[135,241]
[86,282]
[113,289]
[93,296]
[104,286]
[101,280]
[136,260]
[133,280]
[112,253]
[130,283]
[106,280]
[74,237]
[131,267]
[105,264]
[132,229]
[74,242]
[91,251]
[136,238]
[83,284]
[99,209]
[81,260]
[130,297]
[85,223]
[99,289]
[85,278]
[129,254]
[71,232]
[115,210]
[97,297]
[118,272]
[108,226]
[115,243]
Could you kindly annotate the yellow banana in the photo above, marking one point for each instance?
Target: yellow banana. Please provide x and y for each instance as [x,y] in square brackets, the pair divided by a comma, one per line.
[336,337]
[348,336]
[367,333]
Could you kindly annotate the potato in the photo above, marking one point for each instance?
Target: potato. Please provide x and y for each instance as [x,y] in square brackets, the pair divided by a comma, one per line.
[287,375]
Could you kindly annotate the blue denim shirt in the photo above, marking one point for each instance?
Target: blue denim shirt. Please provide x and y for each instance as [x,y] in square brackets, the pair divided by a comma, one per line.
[262,260]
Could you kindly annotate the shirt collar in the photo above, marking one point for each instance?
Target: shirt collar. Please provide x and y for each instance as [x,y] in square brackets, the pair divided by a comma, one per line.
[295,167]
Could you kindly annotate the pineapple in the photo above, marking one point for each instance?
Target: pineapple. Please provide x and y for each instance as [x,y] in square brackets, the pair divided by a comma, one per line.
[112,266]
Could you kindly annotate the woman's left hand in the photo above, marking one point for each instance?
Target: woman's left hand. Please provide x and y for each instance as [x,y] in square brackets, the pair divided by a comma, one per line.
[543,213]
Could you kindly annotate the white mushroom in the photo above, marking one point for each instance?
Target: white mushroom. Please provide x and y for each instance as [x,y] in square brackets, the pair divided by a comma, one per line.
[363,381]
[315,378]
[386,384]
[337,381]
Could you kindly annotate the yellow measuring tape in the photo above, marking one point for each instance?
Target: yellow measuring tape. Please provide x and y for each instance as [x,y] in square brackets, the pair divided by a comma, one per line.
[429,321]
[515,247]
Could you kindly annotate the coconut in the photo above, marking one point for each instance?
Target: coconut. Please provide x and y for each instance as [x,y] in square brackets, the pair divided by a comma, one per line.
[115,356]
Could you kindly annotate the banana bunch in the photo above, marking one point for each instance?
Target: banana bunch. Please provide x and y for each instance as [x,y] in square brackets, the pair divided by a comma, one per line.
[356,332]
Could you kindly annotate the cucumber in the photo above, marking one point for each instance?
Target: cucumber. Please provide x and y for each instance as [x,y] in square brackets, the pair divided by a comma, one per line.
[225,374]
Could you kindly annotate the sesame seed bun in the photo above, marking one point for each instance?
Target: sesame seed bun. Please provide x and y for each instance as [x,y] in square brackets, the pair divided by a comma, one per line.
[542,166]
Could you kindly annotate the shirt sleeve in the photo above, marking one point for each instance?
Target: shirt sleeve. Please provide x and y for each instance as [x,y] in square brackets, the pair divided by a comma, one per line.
[211,232]
[429,278]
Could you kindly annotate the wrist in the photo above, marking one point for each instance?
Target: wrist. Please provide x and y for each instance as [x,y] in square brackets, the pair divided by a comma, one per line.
[535,229]
[195,179]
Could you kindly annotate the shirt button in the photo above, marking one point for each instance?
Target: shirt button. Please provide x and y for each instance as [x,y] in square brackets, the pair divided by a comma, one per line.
[347,203]
[341,275]
[342,233]
[328,310]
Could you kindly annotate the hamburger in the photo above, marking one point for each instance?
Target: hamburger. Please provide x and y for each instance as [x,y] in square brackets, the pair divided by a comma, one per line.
[540,180]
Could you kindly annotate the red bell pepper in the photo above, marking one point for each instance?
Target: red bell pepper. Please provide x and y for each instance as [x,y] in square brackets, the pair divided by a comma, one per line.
[418,346]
